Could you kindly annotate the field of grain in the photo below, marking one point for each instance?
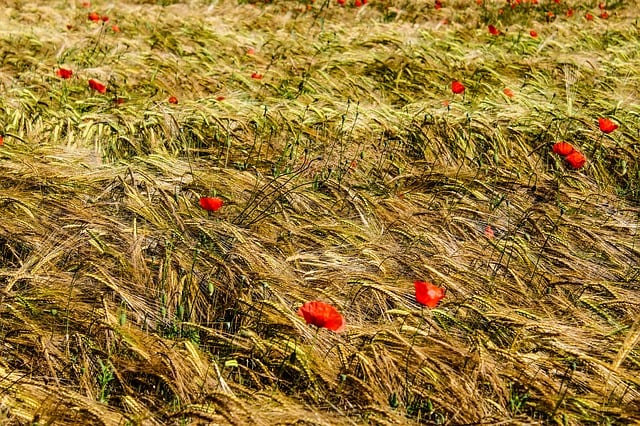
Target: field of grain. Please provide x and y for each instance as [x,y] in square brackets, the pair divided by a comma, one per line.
[355,148]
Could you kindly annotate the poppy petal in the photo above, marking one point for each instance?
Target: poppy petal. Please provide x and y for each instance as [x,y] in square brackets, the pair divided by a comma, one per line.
[576,160]
[64,73]
[428,294]
[211,204]
[563,148]
[97,86]
[606,125]
[457,87]
[322,315]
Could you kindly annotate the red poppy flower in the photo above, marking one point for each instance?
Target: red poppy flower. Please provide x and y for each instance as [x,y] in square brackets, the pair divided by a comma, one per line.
[251,51]
[488,232]
[428,294]
[220,98]
[104,18]
[508,92]
[563,148]
[588,17]
[569,13]
[341,2]
[1,140]
[493,30]
[322,315]
[119,101]
[173,100]
[94,17]
[64,73]
[115,28]
[211,204]
[533,33]
[601,6]
[438,4]
[576,160]
[604,15]
[457,87]
[96,85]
[256,76]
[357,3]
[606,125]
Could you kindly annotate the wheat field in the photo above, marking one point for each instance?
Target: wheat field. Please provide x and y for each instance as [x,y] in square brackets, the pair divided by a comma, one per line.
[348,169]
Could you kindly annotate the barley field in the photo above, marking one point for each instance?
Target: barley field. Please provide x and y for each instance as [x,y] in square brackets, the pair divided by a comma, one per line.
[455,185]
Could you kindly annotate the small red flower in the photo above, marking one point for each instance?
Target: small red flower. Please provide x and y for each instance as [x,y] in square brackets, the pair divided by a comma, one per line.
[588,17]
[341,2]
[508,92]
[64,73]
[96,85]
[488,232]
[173,100]
[322,315]
[357,3]
[86,4]
[119,101]
[94,17]
[601,6]
[256,76]
[428,294]
[604,15]
[251,51]
[606,125]
[220,98]
[115,28]
[493,30]
[576,160]
[211,204]
[438,4]
[104,18]
[1,140]
[563,148]
[457,87]
[569,13]
[533,33]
